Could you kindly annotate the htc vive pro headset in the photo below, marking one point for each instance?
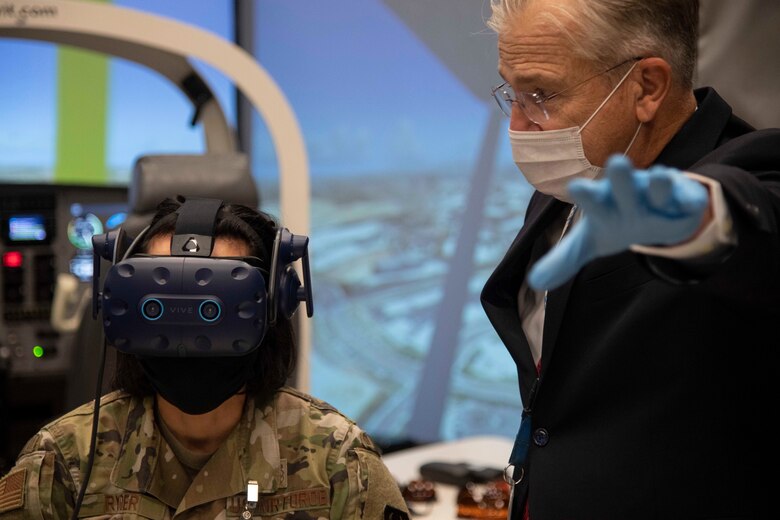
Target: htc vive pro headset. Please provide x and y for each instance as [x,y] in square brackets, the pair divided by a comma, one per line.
[190,304]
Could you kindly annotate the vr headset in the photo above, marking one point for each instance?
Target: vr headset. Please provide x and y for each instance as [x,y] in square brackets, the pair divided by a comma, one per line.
[189,303]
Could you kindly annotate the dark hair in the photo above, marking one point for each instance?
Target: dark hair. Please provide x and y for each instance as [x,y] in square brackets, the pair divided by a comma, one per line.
[276,357]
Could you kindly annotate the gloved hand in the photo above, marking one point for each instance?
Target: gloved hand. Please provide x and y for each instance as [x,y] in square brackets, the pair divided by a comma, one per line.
[659,206]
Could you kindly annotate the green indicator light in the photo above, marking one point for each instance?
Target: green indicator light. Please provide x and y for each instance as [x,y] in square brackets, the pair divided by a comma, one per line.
[38,351]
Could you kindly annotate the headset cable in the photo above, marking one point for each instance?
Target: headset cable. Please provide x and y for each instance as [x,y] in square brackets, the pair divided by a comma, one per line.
[93,436]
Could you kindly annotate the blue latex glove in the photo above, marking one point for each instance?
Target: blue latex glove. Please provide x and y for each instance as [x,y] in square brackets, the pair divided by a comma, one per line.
[659,206]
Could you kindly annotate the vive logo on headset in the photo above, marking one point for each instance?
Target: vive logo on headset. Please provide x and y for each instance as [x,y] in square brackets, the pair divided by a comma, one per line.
[190,304]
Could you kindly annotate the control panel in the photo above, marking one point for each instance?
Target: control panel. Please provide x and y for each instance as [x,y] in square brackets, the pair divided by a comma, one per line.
[45,232]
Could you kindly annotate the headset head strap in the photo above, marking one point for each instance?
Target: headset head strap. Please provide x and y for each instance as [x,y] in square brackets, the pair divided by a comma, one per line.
[194,234]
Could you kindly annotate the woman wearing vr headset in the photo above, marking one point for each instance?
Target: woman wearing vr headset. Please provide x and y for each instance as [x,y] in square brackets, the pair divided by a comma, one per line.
[205,437]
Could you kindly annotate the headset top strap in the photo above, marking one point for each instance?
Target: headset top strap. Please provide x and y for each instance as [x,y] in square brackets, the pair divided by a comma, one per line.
[194,234]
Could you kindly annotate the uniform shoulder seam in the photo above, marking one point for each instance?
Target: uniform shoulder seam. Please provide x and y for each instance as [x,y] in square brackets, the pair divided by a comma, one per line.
[313,401]
[88,408]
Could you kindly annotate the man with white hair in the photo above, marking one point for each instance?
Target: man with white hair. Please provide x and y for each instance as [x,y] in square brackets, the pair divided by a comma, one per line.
[640,300]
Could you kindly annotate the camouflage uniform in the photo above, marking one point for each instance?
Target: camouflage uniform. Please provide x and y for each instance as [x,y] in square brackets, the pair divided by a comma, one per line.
[308,460]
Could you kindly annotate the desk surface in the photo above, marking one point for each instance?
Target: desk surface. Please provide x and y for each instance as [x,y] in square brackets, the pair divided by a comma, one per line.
[404,465]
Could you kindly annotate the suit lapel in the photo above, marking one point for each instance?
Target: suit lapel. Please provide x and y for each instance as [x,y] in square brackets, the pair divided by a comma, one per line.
[500,296]
[504,282]
[553,316]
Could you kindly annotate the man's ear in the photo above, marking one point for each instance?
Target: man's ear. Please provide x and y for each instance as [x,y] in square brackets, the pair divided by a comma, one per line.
[655,80]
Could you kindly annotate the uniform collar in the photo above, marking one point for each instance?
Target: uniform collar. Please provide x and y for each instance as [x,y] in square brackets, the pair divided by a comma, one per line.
[146,463]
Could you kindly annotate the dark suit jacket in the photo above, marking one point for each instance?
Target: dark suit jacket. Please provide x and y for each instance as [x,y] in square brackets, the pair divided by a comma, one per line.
[654,392]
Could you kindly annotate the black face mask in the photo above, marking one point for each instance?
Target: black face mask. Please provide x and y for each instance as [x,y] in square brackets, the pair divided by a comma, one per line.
[198,385]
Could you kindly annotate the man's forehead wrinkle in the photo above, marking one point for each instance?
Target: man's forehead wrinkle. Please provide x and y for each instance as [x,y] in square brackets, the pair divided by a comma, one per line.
[538,55]
[531,43]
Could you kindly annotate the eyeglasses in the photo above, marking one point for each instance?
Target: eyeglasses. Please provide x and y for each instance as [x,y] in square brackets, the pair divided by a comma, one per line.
[532,103]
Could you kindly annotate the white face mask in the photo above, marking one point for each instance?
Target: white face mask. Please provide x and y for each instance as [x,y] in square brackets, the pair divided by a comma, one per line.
[550,159]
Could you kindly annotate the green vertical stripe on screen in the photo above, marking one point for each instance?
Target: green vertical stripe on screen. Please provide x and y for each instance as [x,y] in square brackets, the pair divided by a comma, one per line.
[81,117]
[82,98]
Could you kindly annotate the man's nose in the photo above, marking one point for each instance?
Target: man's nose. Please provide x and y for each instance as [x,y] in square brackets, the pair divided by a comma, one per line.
[519,121]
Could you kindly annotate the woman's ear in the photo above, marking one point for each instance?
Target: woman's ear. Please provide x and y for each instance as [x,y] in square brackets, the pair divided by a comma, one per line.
[655,80]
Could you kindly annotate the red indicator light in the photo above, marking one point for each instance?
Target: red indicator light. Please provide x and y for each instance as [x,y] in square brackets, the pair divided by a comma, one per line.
[12,259]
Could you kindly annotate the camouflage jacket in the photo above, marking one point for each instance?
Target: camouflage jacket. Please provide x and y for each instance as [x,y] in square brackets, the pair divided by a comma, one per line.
[309,461]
